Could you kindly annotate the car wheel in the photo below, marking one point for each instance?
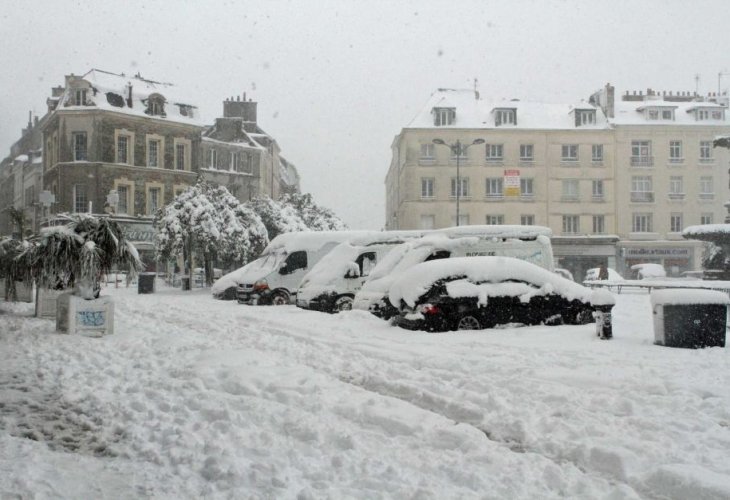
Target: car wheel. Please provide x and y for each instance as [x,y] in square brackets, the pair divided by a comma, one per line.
[229,293]
[468,322]
[279,299]
[343,303]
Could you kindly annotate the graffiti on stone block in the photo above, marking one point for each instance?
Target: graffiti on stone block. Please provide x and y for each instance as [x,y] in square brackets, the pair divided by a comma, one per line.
[90,319]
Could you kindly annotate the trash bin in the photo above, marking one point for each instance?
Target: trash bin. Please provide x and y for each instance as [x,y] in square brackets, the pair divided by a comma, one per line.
[689,318]
[186,283]
[146,282]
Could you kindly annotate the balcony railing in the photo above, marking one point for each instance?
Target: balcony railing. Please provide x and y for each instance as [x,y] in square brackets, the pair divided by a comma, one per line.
[642,161]
[707,196]
[642,196]
[676,196]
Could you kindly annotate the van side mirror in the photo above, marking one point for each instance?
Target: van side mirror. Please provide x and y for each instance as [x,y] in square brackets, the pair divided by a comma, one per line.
[353,271]
[284,268]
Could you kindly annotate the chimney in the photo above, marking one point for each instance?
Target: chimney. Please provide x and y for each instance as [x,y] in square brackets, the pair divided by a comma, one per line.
[30,120]
[240,108]
[129,94]
[609,110]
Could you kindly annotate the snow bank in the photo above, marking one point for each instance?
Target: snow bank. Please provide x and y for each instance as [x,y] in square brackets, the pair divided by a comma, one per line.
[684,296]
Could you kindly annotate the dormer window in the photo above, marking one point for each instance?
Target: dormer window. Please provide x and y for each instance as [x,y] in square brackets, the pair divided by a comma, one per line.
[444,116]
[80,97]
[655,112]
[155,105]
[505,116]
[585,117]
[667,114]
[186,110]
[702,114]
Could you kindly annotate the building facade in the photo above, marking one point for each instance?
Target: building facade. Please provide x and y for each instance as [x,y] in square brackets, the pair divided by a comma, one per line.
[604,174]
[126,146]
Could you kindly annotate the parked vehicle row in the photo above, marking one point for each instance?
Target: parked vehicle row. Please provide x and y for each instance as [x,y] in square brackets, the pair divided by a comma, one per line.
[488,275]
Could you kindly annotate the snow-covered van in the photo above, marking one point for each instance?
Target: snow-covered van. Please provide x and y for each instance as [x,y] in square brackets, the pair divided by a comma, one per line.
[274,277]
[528,243]
[332,283]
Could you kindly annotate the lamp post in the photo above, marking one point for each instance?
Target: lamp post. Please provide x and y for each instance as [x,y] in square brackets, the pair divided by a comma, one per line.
[458,149]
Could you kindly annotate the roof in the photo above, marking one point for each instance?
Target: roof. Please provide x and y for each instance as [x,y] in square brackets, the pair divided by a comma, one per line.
[104,83]
[478,113]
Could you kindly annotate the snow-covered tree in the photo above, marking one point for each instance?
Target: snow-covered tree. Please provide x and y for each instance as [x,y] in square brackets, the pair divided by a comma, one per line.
[315,217]
[276,217]
[209,222]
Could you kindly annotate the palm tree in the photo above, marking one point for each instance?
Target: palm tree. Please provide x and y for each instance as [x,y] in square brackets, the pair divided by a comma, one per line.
[77,254]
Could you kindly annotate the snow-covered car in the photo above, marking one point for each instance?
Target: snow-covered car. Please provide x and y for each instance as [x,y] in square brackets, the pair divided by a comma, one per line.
[482,292]
[649,270]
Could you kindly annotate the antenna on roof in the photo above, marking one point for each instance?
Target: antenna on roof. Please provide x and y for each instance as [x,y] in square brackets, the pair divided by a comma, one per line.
[476,89]
[697,83]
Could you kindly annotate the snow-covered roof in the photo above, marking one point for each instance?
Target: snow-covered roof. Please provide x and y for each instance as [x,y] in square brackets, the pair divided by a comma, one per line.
[310,240]
[634,112]
[478,113]
[414,282]
[683,296]
[474,113]
[105,84]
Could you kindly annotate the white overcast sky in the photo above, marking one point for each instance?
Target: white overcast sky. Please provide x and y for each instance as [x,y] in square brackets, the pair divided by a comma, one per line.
[336,80]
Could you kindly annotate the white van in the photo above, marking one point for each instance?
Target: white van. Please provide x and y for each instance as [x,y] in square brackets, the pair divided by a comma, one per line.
[529,243]
[331,284]
[274,277]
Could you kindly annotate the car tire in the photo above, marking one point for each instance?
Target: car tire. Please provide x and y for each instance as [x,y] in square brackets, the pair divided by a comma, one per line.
[229,293]
[343,303]
[468,322]
[279,298]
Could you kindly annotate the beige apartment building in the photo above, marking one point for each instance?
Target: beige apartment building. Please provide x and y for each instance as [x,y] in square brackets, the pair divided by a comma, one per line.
[616,180]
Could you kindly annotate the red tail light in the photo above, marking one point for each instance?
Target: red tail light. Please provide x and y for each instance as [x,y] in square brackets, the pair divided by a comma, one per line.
[429,309]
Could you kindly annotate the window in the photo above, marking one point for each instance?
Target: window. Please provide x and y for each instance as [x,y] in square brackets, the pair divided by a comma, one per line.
[427,151]
[181,156]
[495,220]
[653,114]
[495,152]
[122,149]
[295,260]
[705,151]
[676,187]
[527,220]
[213,158]
[702,114]
[675,223]
[527,187]
[527,152]
[641,154]
[597,189]
[463,220]
[667,114]
[443,116]
[504,117]
[585,117]
[570,152]
[706,219]
[570,190]
[599,224]
[675,152]
[464,189]
[234,162]
[571,224]
[718,114]
[123,204]
[80,97]
[641,223]
[427,187]
[642,189]
[153,153]
[154,199]
[79,141]
[707,191]
[80,200]
[30,196]
[366,262]
[597,153]
[156,105]
[494,187]
[428,222]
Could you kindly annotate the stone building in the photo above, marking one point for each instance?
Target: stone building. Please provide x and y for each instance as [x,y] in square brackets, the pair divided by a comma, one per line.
[580,169]
[108,134]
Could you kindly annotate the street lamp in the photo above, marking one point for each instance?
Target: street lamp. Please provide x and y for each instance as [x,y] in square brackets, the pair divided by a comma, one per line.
[458,149]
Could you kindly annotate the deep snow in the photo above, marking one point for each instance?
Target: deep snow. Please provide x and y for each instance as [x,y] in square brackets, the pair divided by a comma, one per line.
[194,397]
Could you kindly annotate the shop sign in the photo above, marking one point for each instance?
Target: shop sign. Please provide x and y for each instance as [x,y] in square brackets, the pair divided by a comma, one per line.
[657,252]
[512,182]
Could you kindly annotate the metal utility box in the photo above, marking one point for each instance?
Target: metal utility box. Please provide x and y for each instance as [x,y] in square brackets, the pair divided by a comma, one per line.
[146,282]
[689,318]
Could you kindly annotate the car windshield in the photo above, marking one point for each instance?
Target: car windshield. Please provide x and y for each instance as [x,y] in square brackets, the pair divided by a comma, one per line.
[269,261]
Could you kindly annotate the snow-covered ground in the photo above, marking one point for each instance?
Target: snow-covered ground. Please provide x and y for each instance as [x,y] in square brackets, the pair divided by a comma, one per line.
[193,397]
